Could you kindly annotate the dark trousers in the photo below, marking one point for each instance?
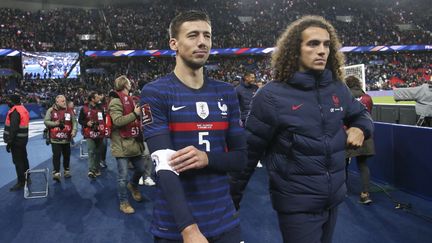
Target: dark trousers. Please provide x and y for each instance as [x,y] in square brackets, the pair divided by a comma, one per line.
[232,236]
[308,227]
[19,158]
[364,171]
[58,150]
[103,150]
[238,182]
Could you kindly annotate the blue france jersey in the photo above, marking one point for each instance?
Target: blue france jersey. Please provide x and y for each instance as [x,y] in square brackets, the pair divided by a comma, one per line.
[205,118]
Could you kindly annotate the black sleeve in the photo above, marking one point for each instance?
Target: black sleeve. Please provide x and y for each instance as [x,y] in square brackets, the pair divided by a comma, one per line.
[171,186]
[82,118]
[261,125]
[233,160]
[14,125]
[174,194]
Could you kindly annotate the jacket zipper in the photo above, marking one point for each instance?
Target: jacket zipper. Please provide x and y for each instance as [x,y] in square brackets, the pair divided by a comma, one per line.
[326,144]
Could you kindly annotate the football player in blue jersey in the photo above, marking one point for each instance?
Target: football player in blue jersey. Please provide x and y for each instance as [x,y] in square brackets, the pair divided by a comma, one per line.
[192,128]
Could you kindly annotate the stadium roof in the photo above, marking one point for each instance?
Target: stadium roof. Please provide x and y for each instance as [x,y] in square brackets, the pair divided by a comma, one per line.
[77,3]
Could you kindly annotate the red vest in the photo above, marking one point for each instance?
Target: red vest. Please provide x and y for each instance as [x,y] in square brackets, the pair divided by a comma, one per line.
[24,122]
[133,129]
[93,114]
[24,115]
[64,115]
[108,125]
[366,100]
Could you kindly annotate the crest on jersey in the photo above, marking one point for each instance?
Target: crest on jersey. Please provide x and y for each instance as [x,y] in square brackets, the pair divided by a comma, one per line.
[202,109]
[223,108]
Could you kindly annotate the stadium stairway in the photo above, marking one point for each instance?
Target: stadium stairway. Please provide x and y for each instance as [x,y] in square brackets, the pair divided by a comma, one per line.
[80,210]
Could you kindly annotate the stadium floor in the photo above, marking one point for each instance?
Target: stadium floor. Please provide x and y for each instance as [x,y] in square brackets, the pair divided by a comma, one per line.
[80,210]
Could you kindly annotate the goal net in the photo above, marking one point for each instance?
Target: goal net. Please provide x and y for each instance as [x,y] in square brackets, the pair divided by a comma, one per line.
[358,71]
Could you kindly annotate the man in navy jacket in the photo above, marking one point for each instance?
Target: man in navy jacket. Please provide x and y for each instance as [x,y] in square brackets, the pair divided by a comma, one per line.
[245,91]
[296,126]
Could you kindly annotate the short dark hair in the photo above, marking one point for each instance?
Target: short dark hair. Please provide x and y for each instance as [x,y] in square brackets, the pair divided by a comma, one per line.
[15,99]
[353,82]
[188,16]
[91,95]
[248,73]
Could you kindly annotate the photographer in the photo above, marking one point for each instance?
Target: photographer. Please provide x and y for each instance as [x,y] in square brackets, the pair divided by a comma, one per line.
[92,120]
[126,142]
[62,127]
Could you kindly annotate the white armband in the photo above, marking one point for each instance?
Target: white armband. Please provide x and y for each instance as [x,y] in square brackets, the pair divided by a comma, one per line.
[161,158]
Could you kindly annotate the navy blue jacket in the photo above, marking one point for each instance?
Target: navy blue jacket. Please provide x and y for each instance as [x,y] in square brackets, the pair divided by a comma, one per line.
[245,93]
[297,128]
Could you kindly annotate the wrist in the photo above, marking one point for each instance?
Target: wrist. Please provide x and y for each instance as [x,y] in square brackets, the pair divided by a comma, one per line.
[190,229]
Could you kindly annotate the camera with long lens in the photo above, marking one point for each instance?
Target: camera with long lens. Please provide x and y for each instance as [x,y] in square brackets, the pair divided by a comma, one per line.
[61,124]
[95,126]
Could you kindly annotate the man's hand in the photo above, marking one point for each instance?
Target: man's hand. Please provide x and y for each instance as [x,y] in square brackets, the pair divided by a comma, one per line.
[8,147]
[73,133]
[355,137]
[188,158]
[137,110]
[192,234]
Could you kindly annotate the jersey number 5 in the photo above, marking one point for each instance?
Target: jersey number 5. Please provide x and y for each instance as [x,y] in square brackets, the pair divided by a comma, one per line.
[201,140]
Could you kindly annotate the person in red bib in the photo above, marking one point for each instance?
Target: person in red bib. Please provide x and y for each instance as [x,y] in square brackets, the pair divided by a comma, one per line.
[92,120]
[16,137]
[104,106]
[62,126]
[126,142]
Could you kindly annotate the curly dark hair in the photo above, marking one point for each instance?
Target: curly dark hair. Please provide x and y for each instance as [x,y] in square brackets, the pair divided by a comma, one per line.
[285,58]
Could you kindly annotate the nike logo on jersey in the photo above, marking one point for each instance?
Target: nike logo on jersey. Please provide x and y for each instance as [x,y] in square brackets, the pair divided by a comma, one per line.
[296,107]
[173,108]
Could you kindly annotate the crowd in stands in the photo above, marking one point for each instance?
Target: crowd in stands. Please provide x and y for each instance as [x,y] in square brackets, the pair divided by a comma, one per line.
[385,71]
[236,23]
[240,23]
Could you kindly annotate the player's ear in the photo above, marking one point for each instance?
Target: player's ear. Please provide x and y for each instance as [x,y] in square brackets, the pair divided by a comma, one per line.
[173,44]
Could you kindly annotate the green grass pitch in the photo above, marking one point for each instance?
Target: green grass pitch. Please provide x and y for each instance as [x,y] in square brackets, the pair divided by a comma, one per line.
[389,100]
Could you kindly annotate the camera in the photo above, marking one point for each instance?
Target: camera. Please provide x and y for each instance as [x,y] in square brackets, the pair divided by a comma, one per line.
[61,125]
[95,126]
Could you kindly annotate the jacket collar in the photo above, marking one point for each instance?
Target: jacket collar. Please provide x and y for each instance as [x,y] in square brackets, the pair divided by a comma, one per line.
[311,79]
[248,86]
